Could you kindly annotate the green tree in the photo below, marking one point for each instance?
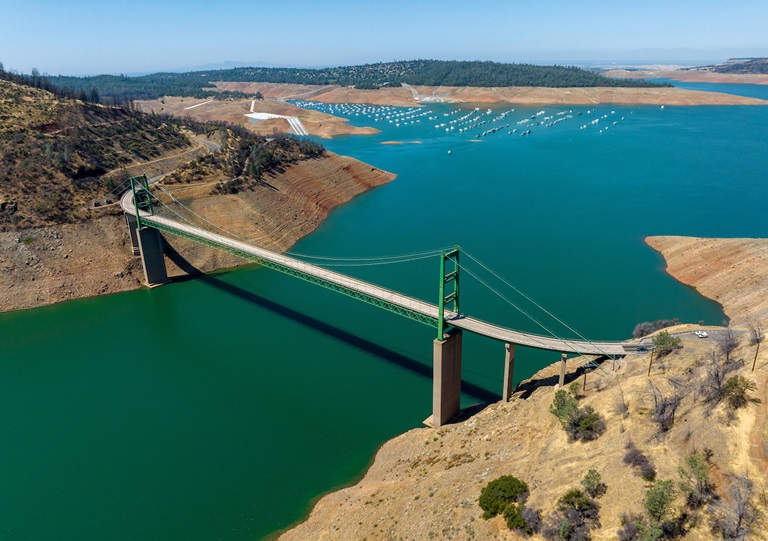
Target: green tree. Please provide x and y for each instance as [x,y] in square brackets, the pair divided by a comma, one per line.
[501,492]
[665,343]
[563,407]
[736,389]
[694,480]
[659,498]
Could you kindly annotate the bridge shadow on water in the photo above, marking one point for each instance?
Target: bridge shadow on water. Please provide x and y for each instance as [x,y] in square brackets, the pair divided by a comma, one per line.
[372,348]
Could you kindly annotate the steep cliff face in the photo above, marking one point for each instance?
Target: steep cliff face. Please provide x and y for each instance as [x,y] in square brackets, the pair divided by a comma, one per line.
[44,265]
[733,272]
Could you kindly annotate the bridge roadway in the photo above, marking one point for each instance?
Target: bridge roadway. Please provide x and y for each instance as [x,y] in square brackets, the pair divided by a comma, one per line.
[409,303]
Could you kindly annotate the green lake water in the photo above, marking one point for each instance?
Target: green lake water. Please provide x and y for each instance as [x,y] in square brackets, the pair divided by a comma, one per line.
[220,408]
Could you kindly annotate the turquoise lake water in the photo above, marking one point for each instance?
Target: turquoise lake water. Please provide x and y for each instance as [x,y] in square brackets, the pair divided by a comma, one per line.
[220,408]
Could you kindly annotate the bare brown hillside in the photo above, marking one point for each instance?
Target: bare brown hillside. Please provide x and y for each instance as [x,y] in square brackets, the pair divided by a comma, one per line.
[734,272]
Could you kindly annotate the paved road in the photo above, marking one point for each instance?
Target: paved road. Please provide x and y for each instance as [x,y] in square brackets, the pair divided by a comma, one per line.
[461,321]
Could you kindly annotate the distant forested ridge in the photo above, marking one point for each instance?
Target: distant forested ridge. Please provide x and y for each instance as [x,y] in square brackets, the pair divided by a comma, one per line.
[121,88]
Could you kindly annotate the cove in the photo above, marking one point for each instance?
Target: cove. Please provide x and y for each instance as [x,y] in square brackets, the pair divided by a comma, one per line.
[219,408]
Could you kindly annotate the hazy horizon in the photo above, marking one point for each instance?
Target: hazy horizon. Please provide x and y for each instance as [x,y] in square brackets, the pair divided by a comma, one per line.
[89,38]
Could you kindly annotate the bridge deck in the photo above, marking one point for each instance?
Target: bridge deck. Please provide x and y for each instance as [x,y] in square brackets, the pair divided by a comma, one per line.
[427,309]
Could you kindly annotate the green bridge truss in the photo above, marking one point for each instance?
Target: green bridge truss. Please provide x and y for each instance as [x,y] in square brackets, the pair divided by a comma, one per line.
[449,266]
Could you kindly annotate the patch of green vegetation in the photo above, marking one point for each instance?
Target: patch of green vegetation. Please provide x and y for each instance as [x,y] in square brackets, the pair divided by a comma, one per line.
[501,492]
[580,423]
[664,343]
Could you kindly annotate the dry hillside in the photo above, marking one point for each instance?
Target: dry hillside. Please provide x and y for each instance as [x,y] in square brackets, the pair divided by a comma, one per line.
[426,483]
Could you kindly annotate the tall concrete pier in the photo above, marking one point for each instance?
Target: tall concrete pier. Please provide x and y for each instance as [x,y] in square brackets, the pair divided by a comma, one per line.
[446,379]
[509,371]
[151,251]
[130,219]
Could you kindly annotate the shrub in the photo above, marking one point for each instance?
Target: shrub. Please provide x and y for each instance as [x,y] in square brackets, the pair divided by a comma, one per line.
[563,407]
[586,425]
[659,498]
[665,343]
[593,484]
[532,518]
[647,327]
[575,516]
[514,516]
[501,492]
[580,423]
[736,389]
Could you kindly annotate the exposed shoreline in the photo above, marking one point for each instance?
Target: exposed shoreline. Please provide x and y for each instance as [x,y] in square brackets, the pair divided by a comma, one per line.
[514,95]
[691,76]
[732,272]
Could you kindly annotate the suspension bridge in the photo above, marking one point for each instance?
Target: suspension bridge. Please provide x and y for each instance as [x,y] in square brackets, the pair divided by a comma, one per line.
[145,227]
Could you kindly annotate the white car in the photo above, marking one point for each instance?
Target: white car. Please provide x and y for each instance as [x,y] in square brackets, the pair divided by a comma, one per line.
[701,334]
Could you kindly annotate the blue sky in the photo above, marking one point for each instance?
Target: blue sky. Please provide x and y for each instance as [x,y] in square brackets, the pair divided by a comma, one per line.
[87,37]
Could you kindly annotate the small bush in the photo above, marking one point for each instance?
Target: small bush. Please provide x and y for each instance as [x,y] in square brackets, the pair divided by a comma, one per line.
[514,516]
[575,516]
[586,425]
[593,484]
[532,518]
[501,492]
[664,343]
[736,389]
[564,407]
[580,423]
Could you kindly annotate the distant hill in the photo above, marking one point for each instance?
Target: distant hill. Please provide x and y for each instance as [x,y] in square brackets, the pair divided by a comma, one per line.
[743,66]
[58,154]
[415,72]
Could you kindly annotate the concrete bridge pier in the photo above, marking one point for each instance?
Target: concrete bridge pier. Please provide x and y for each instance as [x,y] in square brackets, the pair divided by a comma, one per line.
[561,381]
[151,251]
[446,379]
[130,219]
[509,370]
